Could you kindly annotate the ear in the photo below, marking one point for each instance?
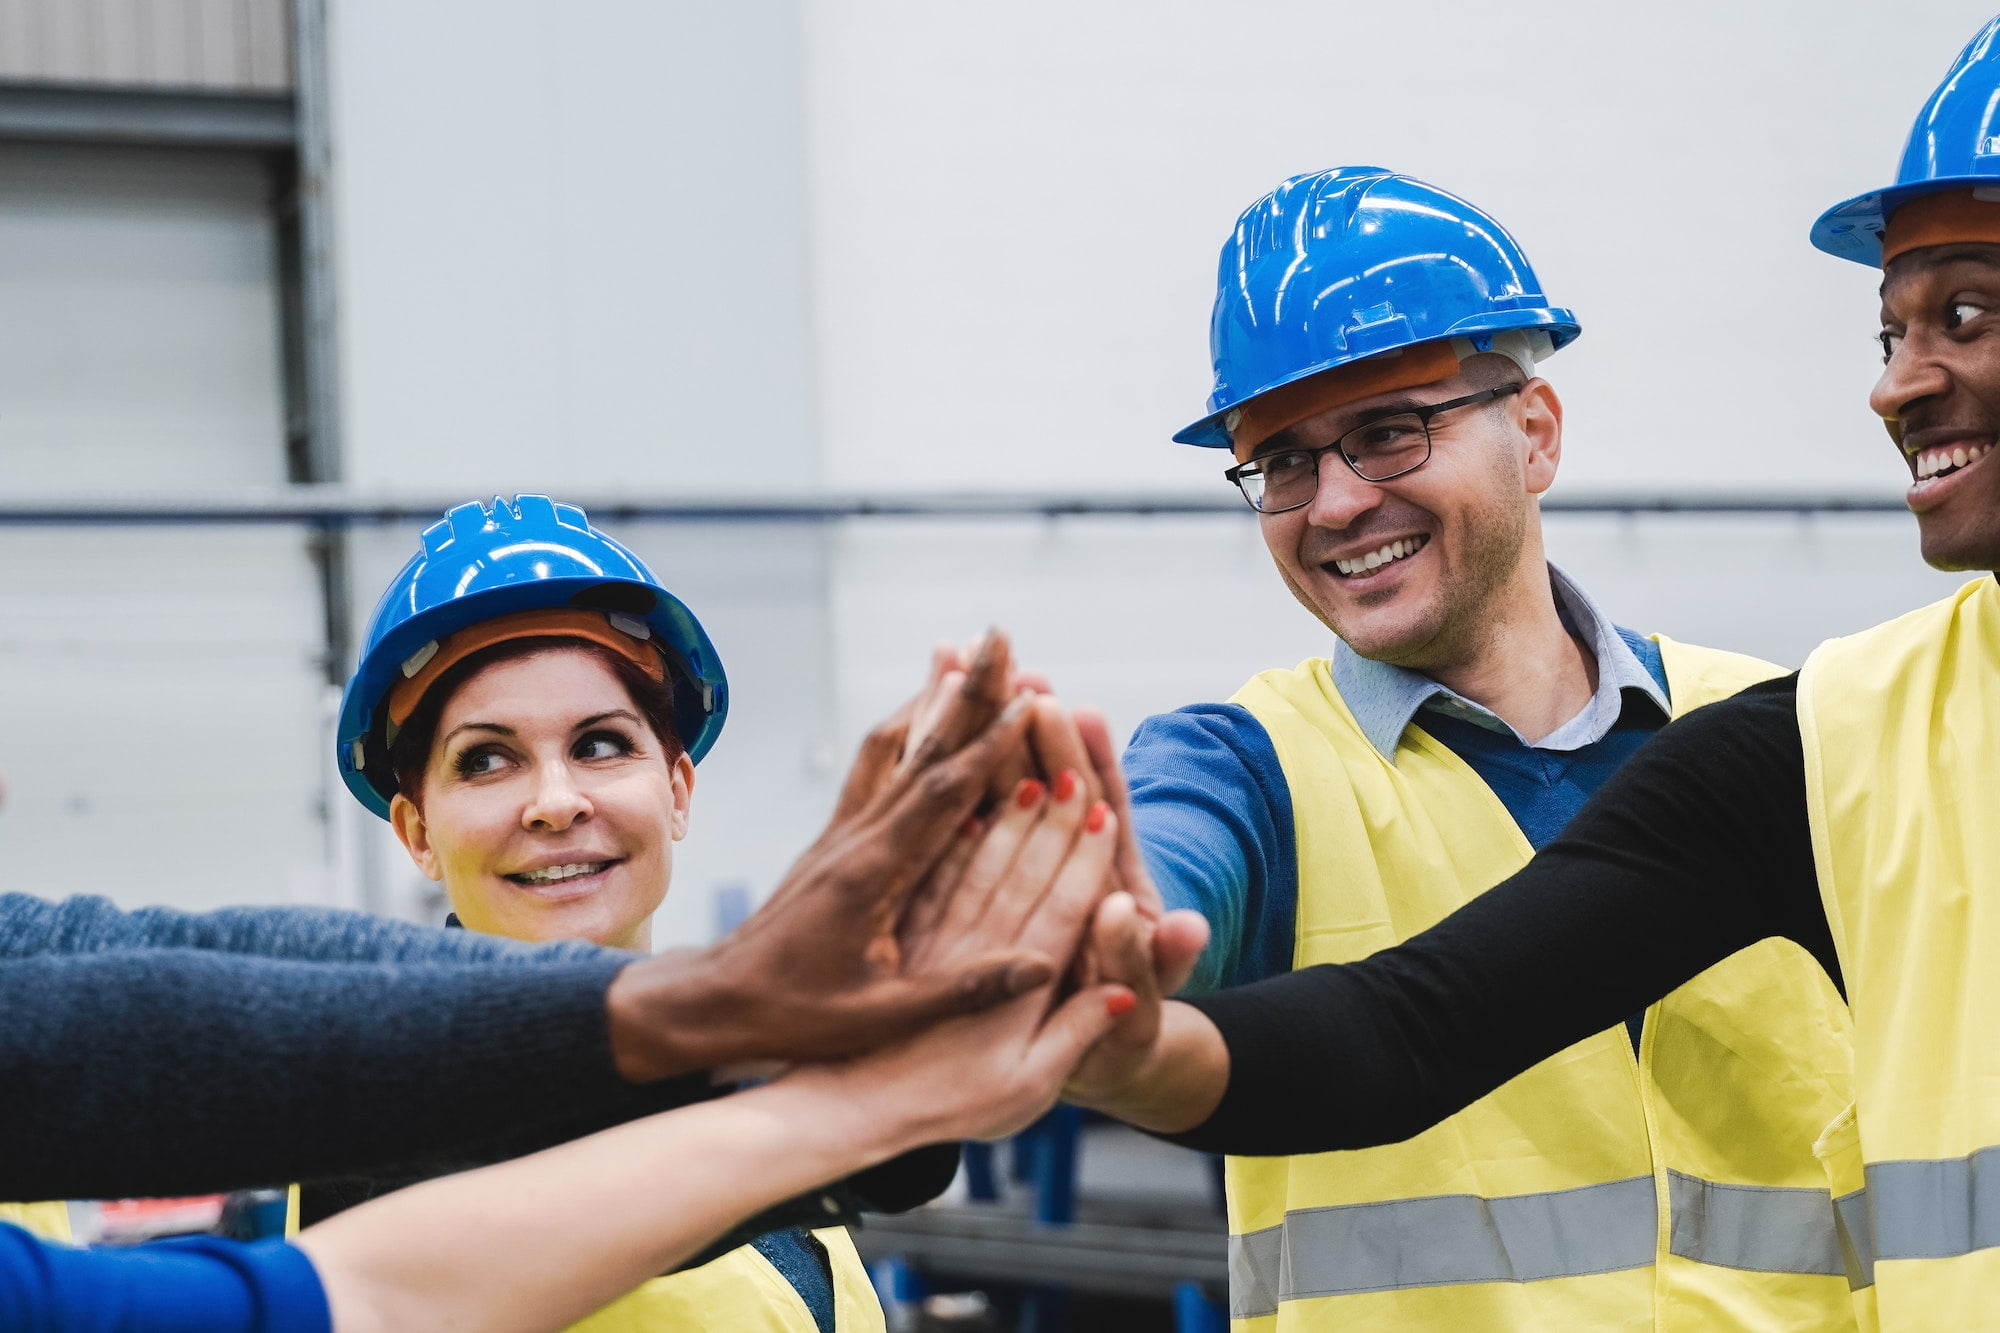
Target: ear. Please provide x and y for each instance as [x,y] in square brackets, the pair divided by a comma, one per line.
[415,835]
[1541,420]
[683,780]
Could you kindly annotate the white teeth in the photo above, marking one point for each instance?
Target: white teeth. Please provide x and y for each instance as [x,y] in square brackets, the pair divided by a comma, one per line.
[1395,550]
[1931,462]
[557,874]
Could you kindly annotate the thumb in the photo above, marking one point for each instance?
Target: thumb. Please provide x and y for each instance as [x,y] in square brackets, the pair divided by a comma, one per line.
[1177,944]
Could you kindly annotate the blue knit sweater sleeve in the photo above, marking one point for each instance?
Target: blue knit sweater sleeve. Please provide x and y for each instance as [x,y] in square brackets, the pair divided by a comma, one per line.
[201,1285]
[30,925]
[1213,814]
[182,1071]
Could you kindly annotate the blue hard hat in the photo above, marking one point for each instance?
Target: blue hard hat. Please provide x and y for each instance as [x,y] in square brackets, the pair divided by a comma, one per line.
[1955,144]
[1333,267]
[531,554]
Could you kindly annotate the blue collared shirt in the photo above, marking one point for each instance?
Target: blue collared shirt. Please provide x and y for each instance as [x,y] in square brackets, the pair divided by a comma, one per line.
[1386,699]
[1213,810]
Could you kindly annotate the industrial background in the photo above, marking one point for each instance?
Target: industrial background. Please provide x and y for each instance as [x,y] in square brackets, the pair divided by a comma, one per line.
[866,322]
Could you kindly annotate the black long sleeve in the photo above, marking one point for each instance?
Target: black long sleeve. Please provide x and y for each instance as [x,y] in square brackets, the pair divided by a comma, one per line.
[1697,848]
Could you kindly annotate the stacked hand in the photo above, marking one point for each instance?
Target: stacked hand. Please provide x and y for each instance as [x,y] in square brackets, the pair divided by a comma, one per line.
[1141,951]
[977,885]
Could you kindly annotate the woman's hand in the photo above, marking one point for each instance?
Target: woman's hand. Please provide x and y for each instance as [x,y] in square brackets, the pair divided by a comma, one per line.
[539,1242]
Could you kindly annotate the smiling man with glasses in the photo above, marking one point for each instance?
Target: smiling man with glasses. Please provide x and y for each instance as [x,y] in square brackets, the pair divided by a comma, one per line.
[1375,343]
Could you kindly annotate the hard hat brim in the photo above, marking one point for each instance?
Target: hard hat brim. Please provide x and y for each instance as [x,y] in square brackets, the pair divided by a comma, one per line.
[691,652]
[1560,323]
[1853,228]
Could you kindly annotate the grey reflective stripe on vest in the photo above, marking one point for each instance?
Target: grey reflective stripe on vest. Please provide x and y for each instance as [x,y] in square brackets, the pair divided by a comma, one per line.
[1443,1241]
[1922,1210]
[1461,1238]
[1762,1228]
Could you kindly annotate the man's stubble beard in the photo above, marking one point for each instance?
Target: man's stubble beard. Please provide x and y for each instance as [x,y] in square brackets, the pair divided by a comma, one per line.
[1452,628]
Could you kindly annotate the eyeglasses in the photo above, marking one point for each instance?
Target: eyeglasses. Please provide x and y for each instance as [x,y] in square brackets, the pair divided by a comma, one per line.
[1377,450]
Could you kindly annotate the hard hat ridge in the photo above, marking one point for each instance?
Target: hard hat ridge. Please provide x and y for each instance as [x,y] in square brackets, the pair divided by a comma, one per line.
[1334,267]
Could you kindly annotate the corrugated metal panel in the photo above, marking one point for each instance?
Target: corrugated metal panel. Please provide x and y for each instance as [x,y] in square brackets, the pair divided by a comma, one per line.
[160,716]
[239,45]
[139,317]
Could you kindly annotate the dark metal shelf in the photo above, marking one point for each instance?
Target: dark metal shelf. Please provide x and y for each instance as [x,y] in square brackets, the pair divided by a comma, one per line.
[991,1245]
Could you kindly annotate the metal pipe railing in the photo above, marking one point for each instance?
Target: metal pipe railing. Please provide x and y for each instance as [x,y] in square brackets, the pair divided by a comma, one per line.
[337,507]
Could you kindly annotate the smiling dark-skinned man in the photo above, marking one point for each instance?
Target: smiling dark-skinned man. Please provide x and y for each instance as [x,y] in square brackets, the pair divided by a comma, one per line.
[1847,809]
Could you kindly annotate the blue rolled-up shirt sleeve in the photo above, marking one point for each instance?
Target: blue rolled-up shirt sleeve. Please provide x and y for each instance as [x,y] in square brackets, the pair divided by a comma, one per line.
[198,1285]
[1213,815]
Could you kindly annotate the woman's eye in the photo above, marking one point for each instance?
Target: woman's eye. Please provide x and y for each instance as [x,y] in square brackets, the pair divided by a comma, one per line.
[1890,342]
[1960,313]
[478,762]
[602,745]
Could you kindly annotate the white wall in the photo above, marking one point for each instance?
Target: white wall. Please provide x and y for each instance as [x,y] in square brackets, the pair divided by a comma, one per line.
[1017,208]
[159,715]
[158,686]
[668,249]
[570,245]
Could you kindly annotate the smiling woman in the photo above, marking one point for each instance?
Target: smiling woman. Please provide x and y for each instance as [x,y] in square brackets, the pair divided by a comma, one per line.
[528,715]
[541,781]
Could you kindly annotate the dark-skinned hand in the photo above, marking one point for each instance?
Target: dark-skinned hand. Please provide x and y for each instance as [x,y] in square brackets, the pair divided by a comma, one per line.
[820,970]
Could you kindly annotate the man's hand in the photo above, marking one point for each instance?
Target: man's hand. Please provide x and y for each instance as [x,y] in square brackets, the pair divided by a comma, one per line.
[820,970]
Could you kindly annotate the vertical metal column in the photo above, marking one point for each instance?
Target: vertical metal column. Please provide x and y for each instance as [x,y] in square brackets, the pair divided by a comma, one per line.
[314,427]
[313,424]
[320,386]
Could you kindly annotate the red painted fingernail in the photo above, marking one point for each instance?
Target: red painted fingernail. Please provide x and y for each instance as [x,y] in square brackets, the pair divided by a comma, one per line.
[1120,1003]
[1027,793]
[1066,784]
[1094,821]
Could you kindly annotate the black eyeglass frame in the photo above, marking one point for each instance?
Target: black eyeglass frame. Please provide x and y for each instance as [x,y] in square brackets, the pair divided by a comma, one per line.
[1423,414]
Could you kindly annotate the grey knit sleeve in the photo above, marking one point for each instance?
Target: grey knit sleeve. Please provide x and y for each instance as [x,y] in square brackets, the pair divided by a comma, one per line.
[31,926]
[180,1071]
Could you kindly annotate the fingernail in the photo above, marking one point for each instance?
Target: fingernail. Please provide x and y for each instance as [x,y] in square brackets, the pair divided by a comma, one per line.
[1066,784]
[1029,792]
[1120,1003]
[1094,821]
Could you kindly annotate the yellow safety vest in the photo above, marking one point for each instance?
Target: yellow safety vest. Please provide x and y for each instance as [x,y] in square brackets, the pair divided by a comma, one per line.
[738,1290]
[1675,1191]
[50,1221]
[1901,725]
[741,1292]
